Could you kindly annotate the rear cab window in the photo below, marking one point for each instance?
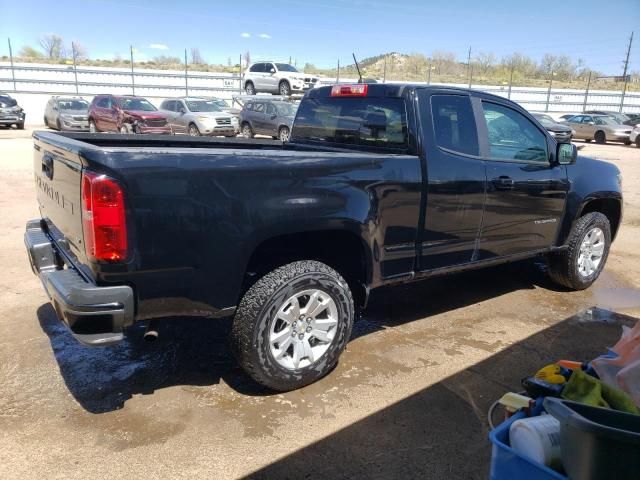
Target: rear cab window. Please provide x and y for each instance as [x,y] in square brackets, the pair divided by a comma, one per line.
[370,122]
[454,124]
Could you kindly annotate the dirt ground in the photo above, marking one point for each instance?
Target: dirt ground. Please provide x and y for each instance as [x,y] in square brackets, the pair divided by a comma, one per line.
[408,399]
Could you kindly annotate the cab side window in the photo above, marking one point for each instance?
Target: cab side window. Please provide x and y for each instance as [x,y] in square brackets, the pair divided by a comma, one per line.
[512,136]
[258,107]
[271,110]
[104,102]
[454,124]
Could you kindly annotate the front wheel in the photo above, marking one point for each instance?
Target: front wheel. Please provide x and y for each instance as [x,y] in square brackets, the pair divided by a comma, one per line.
[193,130]
[580,264]
[126,129]
[247,131]
[284,88]
[292,325]
[92,127]
[283,134]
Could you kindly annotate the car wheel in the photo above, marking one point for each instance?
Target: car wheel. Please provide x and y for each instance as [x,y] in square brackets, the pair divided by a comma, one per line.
[283,134]
[284,88]
[126,129]
[627,142]
[58,126]
[247,131]
[292,325]
[193,130]
[600,137]
[580,264]
[638,141]
[588,140]
[92,127]
[20,126]
[249,88]
[46,122]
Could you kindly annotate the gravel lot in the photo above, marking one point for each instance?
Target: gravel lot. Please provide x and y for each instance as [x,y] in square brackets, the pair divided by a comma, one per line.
[408,399]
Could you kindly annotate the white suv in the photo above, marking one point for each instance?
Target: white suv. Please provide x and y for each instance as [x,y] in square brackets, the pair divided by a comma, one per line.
[278,78]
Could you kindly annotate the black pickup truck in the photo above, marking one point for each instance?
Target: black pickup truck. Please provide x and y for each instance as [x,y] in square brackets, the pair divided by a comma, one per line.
[379,184]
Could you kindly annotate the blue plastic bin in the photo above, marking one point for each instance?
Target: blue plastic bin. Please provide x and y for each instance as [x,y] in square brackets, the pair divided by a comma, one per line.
[506,464]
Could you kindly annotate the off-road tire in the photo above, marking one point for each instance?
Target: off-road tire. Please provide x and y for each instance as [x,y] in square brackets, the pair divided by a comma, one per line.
[563,266]
[250,331]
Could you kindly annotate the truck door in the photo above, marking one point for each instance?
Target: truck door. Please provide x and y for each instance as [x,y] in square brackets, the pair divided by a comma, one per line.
[455,190]
[526,193]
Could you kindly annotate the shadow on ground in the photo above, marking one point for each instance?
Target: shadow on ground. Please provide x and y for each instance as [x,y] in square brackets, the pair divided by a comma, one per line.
[194,351]
[441,432]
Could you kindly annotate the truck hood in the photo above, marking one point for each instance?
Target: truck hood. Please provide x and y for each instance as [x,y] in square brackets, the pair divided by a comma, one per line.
[144,115]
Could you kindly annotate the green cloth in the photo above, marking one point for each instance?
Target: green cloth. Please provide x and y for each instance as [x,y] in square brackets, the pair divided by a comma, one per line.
[586,389]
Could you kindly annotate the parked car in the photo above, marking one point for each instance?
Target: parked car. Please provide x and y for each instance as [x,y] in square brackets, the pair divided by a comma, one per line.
[126,114]
[290,239]
[278,78]
[634,137]
[67,113]
[601,128]
[562,133]
[634,117]
[267,117]
[10,112]
[620,118]
[198,116]
[567,116]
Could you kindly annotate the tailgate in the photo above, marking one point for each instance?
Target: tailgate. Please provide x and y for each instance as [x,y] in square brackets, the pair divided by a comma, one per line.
[58,177]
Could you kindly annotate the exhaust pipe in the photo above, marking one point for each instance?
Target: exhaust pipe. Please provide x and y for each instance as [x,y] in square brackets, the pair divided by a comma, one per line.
[151,332]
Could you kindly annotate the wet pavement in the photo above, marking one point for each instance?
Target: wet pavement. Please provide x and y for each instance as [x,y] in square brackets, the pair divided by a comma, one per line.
[408,398]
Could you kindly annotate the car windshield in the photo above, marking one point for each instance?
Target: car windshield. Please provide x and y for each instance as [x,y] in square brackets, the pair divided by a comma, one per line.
[286,109]
[285,67]
[202,106]
[73,105]
[618,117]
[141,104]
[608,120]
[8,101]
[220,103]
[545,120]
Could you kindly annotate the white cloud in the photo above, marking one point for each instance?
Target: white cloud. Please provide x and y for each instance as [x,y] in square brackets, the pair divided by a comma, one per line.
[158,46]
[245,35]
[264,35]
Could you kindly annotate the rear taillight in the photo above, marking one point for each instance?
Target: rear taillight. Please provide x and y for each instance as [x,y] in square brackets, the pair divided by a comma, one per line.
[358,90]
[103,218]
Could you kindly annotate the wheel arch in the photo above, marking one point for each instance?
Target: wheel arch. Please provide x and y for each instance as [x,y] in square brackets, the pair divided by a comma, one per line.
[610,207]
[342,250]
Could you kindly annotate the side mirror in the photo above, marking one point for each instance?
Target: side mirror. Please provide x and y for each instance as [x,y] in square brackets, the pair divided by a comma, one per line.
[182,110]
[566,154]
[273,70]
[590,123]
[273,116]
[55,107]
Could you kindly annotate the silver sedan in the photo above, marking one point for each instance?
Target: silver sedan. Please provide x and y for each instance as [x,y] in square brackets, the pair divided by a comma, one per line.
[601,128]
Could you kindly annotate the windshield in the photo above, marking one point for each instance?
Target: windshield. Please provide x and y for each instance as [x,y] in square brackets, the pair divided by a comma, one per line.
[141,104]
[6,100]
[285,67]
[286,109]
[545,119]
[220,103]
[73,105]
[605,121]
[202,106]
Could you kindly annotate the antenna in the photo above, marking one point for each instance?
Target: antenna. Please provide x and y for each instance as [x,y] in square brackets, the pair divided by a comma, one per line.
[358,67]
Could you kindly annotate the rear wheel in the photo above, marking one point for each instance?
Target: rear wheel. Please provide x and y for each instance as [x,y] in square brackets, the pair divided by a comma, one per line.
[580,264]
[600,137]
[249,88]
[247,131]
[292,325]
[193,130]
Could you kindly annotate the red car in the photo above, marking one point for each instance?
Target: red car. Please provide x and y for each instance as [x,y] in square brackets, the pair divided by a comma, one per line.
[126,114]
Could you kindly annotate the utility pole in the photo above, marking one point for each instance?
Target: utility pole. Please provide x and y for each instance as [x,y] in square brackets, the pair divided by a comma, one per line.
[429,74]
[338,75]
[13,73]
[546,107]
[133,82]
[75,67]
[586,93]
[384,73]
[186,82]
[624,74]
[469,66]
[513,66]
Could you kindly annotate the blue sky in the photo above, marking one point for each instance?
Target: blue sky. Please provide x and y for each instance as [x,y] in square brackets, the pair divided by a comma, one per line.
[323,31]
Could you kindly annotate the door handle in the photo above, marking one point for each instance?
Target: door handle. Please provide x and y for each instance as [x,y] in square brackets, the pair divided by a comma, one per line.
[503,183]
